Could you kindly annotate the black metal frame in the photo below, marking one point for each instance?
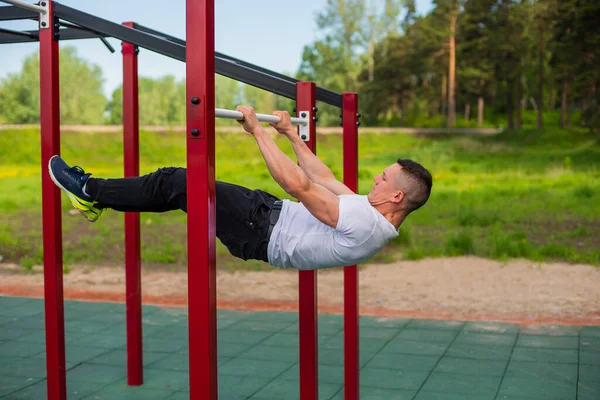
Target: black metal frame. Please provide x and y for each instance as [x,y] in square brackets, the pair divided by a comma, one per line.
[90,26]
[174,39]
[8,36]
[12,13]
[325,95]
[33,35]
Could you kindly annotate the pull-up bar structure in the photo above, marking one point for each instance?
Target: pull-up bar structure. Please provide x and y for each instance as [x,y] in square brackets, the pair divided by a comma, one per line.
[302,122]
[27,6]
[202,62]
[231,114]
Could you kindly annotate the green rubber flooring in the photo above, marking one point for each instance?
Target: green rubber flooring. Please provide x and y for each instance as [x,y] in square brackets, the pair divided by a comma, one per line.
[258,356]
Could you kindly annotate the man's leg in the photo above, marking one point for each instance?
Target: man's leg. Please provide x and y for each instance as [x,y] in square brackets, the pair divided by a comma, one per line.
[159,191]
[137,194]
[242,214]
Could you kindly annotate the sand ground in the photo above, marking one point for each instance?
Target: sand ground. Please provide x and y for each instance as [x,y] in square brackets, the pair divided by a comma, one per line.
[468,287]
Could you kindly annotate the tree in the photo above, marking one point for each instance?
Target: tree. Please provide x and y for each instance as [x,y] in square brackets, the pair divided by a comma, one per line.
[526,23]
[506,24]
[114,107]
[323,63]
[391,87]
[452,72]
[81,97]
[382,23]
[564,47]
[162,100]
[228,92]
[262,100]
[588,73]
[540,18]
[378,25]
[341,22]
[476,64]
[573,36]
[20,94]
[351,30]
[443,30]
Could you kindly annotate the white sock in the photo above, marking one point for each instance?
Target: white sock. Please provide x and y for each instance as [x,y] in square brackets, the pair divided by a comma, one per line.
[83,189]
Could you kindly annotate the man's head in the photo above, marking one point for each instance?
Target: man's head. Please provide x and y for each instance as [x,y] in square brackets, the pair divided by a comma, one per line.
[405,184]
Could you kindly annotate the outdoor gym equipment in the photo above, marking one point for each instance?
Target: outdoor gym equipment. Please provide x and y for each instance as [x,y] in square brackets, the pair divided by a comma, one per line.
[59,22]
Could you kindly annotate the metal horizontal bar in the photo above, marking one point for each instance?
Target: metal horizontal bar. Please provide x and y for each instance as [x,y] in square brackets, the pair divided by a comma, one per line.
[256,67]
[159,34]
[170,49]
[217,54]
[26,6]
[227,63]
[72,34]
[31,36]
[99,36]
[8,38]
[118,31]
[255,78]
[223,66]
[322,94]
[153,42]
[11,13]
[328,97]
[231,114]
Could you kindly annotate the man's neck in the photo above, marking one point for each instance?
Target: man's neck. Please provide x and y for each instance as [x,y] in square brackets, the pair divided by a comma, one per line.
[393,215]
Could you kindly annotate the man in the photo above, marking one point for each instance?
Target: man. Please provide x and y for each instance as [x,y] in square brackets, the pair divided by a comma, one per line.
[329,226]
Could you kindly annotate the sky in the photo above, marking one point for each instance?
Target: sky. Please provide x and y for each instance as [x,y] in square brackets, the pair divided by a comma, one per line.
[269,33]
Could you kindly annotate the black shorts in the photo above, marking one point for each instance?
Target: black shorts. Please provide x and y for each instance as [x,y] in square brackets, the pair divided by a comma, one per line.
[243,215]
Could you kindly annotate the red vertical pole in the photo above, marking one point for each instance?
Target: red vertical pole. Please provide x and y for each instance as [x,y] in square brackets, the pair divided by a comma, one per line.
[200,99]
[133,268]
[51,217]
[351,342]
[309,359]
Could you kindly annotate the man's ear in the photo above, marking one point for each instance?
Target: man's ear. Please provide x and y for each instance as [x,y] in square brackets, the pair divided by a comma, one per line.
[398,196]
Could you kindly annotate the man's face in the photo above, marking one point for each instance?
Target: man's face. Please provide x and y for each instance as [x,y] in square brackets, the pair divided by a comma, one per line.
[386,188]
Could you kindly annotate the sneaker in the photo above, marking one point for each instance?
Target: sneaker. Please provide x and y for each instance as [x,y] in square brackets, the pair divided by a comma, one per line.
[92,214]
[71,180]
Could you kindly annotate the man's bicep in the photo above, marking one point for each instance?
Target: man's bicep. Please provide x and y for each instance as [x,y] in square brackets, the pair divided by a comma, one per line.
[321,203]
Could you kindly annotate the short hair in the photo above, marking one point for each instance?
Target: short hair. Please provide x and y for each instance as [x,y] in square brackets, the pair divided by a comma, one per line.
[417,182]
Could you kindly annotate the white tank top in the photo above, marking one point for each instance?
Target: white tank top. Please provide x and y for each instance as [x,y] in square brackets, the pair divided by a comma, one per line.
[301,241]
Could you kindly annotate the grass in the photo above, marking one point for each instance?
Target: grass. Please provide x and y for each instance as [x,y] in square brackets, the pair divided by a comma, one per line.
[521,194]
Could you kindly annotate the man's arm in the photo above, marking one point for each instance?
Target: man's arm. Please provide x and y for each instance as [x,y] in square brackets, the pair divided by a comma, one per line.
[320,202]
[312,165]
